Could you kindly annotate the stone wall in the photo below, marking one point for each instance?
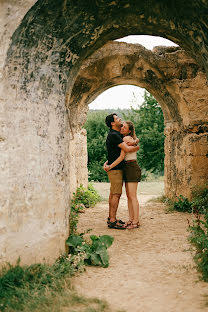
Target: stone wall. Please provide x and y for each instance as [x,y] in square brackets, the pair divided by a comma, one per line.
[43,160]
[42,145]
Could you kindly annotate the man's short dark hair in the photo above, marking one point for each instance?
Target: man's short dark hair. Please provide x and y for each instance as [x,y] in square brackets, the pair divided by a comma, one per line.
[109,119]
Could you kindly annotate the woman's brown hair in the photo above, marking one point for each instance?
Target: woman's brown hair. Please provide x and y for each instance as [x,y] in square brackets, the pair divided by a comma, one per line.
[131,129]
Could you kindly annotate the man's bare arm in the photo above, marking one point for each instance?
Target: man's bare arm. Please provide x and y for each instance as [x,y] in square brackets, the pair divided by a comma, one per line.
[115,163]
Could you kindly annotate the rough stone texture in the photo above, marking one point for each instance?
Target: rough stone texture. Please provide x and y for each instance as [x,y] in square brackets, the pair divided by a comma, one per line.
[41,129]
[42,161]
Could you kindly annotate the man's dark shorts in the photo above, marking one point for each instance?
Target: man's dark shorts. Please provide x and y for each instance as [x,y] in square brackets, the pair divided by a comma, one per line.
[116,181]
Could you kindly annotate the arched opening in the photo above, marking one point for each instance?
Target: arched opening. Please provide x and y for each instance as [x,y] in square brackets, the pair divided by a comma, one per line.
[119,97]
[149,42]
[130,103]
[53,70]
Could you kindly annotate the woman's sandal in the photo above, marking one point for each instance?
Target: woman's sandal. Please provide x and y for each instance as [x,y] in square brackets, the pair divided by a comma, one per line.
[133,226]
[128,223]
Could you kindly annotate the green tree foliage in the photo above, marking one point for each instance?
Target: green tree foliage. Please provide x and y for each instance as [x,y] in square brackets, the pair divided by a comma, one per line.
[96,136]
[149,125]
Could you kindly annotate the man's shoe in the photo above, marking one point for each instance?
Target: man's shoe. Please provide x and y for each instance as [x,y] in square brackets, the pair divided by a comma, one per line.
[116,225]
[119,221]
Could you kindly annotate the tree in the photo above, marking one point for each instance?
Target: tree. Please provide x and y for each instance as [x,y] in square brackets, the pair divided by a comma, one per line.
[149,125]
[96,136]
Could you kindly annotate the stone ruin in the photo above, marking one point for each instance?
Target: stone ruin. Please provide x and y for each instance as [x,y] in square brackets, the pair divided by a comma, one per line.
[56,57]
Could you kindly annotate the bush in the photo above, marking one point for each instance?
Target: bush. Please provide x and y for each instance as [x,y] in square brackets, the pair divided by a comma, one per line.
[182,204]
[87,197]
[83,198]
[200,200]
[199,239]
[199,230]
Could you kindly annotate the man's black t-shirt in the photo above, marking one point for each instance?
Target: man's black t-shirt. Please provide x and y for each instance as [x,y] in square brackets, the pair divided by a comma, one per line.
[114,138]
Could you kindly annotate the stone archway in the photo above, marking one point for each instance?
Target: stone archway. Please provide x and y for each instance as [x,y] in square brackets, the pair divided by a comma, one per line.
[41,64]
[178,84]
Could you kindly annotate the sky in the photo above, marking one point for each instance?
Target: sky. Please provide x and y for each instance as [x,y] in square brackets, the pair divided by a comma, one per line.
[124,96]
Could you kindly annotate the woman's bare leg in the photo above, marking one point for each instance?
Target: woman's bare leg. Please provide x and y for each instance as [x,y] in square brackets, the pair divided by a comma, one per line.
[130,206]
[132,196]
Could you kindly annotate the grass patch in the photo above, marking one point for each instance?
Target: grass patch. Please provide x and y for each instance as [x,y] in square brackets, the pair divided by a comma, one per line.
[169,204]
[26,288]
[44,288]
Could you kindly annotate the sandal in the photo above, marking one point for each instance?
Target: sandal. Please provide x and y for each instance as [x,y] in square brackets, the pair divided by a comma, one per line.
[116,225]
[119,221]
[133,226]
[128,223]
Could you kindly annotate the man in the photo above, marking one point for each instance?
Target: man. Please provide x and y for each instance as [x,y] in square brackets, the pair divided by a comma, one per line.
[114,144]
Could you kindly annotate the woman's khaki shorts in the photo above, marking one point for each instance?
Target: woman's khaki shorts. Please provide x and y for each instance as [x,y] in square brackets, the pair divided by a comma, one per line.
[116,181]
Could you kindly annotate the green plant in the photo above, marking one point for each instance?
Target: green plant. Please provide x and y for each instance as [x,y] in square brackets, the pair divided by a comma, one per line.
[182,204]
[82,198]
[199,239]
[199,230]
[82,252]
[94,253]
[198,204]
[200,199]
[87,197]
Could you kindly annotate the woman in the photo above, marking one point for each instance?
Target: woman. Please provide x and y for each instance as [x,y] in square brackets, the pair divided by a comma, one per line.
[131,173]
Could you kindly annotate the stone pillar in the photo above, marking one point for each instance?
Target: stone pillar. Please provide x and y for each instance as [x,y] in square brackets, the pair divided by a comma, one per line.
[186,159]
[78,160]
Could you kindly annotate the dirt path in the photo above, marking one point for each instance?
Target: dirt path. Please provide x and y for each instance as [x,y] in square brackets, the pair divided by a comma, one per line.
[151,268]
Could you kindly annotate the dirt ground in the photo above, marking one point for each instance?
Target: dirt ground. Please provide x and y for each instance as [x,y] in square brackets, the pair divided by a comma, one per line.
[151,268]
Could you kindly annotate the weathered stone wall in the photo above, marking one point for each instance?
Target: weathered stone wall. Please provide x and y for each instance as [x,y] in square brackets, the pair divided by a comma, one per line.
[41,128]
[186,159]
[42,162]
